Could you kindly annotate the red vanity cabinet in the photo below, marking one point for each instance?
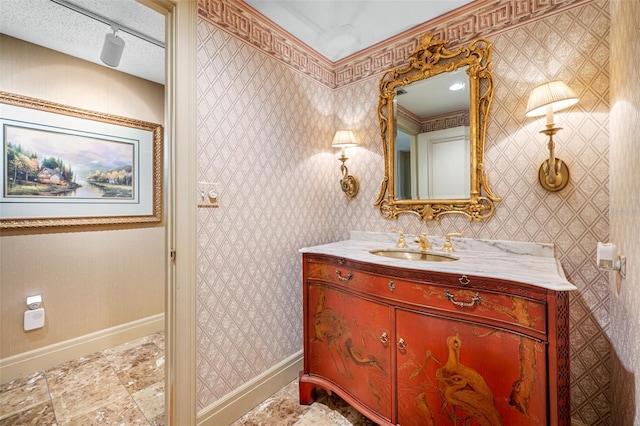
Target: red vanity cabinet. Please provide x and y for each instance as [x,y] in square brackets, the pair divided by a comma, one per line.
[413,347]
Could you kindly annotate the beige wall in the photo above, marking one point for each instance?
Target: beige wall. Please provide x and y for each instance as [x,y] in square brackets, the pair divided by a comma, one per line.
[94,277]
[264,135]
[625,209]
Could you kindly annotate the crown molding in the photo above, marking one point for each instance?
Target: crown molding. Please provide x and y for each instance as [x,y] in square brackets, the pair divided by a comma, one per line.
[245,23]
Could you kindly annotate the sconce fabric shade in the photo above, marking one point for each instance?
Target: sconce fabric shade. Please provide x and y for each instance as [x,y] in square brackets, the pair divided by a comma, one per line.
[112,50]
[554,94]
[344,139]
[546,99]
[349,184]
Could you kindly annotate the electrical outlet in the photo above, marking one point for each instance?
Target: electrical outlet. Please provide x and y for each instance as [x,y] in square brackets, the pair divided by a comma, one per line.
[33,319]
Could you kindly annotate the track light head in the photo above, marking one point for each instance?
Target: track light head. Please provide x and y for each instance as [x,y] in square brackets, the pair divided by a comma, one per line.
[112,49]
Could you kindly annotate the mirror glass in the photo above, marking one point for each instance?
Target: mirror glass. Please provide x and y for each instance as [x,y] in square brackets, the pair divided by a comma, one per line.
[432,158]
[433,114]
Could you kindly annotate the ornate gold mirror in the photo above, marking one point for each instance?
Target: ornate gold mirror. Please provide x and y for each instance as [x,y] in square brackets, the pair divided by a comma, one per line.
[433,117]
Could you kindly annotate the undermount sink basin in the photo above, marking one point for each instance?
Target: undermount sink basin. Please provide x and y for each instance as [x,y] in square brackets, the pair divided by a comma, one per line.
[413,255]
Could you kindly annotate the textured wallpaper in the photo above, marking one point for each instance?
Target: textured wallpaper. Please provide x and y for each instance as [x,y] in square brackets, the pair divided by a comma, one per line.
[625,209]
[264,136]
[265,132]
[572,46]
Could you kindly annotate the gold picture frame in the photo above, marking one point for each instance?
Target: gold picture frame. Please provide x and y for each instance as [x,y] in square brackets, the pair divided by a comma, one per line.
[66,166]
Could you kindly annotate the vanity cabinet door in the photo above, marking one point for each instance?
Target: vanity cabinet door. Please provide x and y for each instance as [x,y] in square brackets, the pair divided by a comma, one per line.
[349,344]
[453,372]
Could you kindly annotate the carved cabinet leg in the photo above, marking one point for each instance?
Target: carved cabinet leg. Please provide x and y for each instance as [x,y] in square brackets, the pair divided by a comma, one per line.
[307,391]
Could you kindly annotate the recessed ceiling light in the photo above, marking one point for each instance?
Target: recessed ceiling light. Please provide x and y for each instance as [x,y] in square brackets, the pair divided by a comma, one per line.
[456,86]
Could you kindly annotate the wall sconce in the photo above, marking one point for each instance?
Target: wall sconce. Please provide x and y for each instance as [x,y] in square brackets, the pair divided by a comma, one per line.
[545,100]
[112,49]
[344,139]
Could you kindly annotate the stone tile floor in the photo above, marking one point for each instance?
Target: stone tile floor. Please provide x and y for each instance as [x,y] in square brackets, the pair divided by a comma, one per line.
[122,385]
[125,386]
[283,409]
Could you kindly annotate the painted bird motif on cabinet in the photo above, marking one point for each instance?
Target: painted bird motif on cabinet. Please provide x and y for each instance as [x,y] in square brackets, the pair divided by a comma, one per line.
[465,389]
[331,328]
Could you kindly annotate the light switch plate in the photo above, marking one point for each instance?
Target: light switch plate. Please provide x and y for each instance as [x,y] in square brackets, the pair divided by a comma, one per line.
[207,196]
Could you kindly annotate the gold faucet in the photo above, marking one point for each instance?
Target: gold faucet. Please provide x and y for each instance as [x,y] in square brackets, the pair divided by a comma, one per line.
[422,241]
[401,242]
[448,247]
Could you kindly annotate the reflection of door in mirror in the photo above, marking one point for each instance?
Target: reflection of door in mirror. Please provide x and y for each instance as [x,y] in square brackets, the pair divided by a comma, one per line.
[446,154]
[433,165]
[404,170]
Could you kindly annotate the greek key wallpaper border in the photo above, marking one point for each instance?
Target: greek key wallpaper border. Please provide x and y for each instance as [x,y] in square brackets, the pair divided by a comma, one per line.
[479,18]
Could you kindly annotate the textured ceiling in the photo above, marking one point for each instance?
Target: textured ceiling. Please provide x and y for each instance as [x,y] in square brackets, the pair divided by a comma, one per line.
[335,29]
[51,25]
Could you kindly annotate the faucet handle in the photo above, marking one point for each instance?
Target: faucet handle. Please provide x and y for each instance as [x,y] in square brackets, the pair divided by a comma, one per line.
[448,247]
[401,242]
[423,241]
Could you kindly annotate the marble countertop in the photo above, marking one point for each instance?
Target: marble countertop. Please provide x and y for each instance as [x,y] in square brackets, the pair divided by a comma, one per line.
[530,263]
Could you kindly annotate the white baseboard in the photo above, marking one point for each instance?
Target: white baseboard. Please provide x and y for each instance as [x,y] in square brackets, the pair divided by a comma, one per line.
[40,359]
[234,405]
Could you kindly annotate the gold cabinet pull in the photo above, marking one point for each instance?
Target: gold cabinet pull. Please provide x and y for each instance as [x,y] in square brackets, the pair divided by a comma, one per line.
[347,278]
[475,300]
[464,280]
[392,286]
[401,344]
[384,338]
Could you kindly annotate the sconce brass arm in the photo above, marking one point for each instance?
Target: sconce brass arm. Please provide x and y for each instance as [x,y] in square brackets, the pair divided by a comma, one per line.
[349,184]
[554,173]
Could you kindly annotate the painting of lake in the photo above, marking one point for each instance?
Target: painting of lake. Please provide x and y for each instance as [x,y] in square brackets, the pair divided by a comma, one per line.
[45,163]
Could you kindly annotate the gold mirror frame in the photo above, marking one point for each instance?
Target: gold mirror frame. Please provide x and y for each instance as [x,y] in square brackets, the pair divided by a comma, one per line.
[431,58]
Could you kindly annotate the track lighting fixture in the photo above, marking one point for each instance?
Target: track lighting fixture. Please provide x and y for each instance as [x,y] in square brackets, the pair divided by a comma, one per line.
[112,49]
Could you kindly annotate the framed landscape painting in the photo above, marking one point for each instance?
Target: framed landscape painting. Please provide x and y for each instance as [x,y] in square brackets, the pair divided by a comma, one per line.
[64,166]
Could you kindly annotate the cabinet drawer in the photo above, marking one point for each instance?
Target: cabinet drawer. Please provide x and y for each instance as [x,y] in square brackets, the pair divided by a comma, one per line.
[348,278]
[476,304]
[448,294]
